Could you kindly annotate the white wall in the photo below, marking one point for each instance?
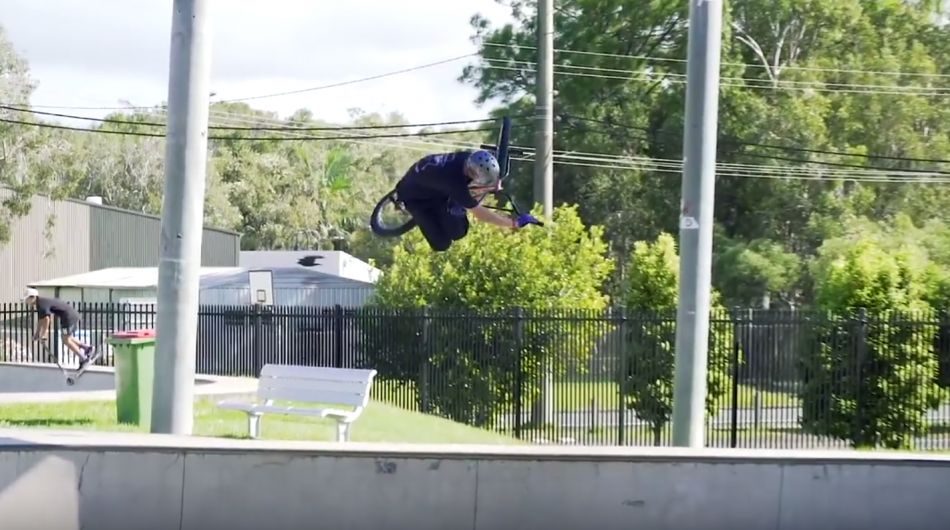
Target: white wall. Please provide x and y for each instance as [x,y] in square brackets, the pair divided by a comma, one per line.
[333,262]
[326,486]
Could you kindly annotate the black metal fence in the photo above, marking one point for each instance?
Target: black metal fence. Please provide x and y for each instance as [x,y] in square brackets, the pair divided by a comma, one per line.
[777,379]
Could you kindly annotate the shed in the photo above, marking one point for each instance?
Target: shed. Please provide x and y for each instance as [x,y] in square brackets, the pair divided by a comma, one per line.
[292,337]
[333,262]
[292,286]
[89,236]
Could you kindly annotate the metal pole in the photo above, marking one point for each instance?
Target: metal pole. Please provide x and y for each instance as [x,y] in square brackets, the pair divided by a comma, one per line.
[544,110]
[696,221]
[186,149]
[543,411]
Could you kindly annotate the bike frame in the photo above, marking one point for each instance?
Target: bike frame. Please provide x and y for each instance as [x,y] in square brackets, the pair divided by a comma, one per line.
[502,152]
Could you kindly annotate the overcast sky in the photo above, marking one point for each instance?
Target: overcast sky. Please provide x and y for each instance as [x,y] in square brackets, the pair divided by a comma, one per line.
[104,52]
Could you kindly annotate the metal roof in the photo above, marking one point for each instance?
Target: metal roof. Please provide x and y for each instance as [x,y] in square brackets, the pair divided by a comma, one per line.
[122,277]
[286,277]
[211,277]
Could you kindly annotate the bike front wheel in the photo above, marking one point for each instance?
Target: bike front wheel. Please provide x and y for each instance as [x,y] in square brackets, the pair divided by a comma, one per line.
[390,218]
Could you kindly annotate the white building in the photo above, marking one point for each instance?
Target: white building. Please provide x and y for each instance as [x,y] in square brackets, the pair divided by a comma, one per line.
[219,286]
[333,262]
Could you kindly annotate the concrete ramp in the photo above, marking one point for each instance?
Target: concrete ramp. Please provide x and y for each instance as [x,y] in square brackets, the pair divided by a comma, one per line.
[119,481]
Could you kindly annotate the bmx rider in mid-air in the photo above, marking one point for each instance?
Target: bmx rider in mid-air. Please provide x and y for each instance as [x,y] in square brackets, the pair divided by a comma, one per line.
[439,190]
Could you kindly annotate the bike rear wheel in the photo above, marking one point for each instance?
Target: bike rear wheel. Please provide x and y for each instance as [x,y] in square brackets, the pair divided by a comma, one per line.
[390,218]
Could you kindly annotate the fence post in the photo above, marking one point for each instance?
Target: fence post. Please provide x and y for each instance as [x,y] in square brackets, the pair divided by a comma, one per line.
[861,356]
[622,407]
[338,336]
[258,329]
[519,374]
[736,346]
[53,334]
[426,353]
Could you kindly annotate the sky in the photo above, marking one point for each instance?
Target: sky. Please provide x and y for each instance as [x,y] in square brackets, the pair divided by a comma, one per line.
[109,53]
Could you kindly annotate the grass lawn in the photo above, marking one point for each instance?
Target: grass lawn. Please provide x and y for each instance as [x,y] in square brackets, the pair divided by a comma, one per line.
[582,395]
[578,396]
[379,423]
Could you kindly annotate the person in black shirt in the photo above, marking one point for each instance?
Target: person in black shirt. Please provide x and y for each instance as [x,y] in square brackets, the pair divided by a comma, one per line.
[46,309]
[439,189]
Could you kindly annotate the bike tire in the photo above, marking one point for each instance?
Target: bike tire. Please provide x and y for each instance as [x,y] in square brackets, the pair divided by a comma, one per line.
[380,230]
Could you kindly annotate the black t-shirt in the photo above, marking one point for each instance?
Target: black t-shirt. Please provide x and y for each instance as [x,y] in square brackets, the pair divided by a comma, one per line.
[438,178]
[52,306]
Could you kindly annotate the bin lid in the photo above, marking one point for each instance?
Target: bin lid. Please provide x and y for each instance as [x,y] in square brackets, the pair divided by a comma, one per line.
[134,334]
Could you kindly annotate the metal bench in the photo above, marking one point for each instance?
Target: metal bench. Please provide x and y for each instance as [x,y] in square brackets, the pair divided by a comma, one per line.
[327,386]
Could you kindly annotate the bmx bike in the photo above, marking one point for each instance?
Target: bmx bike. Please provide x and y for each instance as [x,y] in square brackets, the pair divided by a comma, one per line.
[391,219]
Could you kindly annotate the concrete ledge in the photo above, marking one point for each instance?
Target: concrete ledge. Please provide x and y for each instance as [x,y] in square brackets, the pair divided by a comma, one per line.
[15,439]
[115,481]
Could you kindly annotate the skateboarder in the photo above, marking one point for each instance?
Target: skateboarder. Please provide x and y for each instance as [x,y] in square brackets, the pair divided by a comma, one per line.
[69,319]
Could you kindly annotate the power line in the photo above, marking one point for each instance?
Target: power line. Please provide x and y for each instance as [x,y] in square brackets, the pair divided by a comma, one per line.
[763,84]
[420,144]
[867,173]
[416,144]
[781,173]
[410,143]
[289,92]
[245,119]
[352,81]
[749,65]
[252,128]
[81,107]
[773,146]
[261,138]
[731,166]
[596,161]
[607,161]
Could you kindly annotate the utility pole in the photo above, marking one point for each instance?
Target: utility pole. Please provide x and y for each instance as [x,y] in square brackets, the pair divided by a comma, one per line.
[543,165]
[186,151]
[544,110]
[696,221]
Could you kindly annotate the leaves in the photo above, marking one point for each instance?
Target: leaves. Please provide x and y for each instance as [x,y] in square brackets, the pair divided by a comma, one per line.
[884,400]
[651,298]
[559,267]
[801,81]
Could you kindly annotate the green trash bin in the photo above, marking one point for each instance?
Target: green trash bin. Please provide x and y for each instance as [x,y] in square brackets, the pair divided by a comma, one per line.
[134,354]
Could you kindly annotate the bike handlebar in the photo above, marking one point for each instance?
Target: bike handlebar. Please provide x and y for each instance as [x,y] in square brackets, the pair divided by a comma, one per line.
[512,151]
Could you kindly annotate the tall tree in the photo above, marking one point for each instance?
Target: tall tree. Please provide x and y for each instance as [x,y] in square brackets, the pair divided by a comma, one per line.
[807,91]
[17,184]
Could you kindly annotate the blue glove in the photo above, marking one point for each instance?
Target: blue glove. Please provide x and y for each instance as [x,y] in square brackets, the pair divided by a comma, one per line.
[525,219]
[458,211]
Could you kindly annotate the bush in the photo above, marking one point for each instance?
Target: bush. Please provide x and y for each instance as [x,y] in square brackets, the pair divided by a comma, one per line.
[485,357]
[652,291]
[872,378]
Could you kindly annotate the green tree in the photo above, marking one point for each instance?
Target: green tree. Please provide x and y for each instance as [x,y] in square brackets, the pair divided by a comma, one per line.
[749,274]
[473,344]
[651,297]
[808,87]
[17,183]
[872,378]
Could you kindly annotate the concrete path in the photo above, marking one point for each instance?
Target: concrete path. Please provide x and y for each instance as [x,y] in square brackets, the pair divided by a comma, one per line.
[97,384]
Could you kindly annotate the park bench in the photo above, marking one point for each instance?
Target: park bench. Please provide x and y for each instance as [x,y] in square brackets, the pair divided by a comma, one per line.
[343,387]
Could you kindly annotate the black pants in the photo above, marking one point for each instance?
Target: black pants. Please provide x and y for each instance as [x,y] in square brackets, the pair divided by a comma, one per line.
[438,226]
